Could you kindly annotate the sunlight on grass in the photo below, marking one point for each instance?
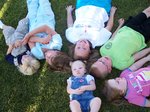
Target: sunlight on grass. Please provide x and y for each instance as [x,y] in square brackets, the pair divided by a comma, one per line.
[34,107]
[4,8]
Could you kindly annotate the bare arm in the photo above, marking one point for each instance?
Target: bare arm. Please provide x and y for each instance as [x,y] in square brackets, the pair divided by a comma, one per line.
[9,50]
[43,28]
[140,63]
[69,16]
[141,54]
[90,87]
[73,91]
[121,22]
[111,19]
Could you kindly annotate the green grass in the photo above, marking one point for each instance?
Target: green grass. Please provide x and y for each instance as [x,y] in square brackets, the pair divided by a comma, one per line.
[46,90]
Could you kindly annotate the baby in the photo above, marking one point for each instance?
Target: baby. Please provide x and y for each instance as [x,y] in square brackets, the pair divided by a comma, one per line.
[80,86]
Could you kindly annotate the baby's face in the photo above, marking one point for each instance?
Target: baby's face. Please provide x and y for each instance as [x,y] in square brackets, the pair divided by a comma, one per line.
[78,68]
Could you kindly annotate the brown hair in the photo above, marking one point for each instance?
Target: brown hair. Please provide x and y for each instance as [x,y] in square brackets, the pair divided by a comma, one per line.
[95,72]
[61,63]
[72,50]
[110,92]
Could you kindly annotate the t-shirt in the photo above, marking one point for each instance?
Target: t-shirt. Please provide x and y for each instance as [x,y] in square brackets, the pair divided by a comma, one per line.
[88,78]
[121,49]
[138,84]
[89,25]
[54,44]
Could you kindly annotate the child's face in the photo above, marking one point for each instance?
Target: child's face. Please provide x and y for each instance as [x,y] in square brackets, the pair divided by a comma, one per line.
[103,65]
[78,68]
[82,49]
[50,55]
[118,83]
[26,59]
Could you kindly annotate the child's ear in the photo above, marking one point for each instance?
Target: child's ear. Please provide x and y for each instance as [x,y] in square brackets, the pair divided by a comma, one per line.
[121,92]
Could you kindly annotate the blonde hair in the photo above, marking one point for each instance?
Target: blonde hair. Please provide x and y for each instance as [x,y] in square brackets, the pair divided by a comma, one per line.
[30,67]
[110,92]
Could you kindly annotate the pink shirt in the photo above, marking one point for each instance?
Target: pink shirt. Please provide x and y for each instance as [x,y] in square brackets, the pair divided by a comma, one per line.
[138,84]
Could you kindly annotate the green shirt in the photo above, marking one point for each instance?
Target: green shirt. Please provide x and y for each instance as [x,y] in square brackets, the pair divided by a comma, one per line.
[121,49]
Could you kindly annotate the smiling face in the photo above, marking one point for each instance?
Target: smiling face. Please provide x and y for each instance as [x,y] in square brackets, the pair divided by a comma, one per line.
[78,68]
[50,55]
[82,49]
[102,66]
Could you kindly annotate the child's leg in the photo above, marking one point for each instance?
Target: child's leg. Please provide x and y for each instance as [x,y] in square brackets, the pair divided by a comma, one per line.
[134,22]
[141,23]
[32,10]
[146,29]
[45,13]
[8,31]
[95,104]
[139,19]
[75,106]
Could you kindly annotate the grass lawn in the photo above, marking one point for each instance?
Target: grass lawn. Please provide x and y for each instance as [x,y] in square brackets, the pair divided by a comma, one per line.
[46,90]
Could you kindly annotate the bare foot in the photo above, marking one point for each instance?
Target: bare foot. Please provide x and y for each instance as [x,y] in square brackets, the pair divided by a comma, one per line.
[147,12]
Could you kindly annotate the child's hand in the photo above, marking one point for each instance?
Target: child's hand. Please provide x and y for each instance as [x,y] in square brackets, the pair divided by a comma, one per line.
[69,9]
[121,21]
[113,10]
[18,43]
[78,91]
[25,39]
[83,88]
[45,40]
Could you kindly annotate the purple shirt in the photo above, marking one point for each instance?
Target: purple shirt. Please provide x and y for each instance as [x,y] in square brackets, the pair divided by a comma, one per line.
[138,84]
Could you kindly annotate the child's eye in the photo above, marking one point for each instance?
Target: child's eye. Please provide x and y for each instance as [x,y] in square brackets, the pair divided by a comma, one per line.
[74,69]
[80,68]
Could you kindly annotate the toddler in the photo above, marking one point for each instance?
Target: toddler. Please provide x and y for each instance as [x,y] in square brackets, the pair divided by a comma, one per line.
[80,87]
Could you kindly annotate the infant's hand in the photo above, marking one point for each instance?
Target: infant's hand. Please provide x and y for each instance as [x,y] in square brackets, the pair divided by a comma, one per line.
[69,9]
[121,21]
[78,91]
[82,88]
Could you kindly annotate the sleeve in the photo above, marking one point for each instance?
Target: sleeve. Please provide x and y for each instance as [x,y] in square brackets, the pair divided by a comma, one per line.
[37,51]
[104,35]
[57,42]
[70,35]
[139,100]
[125,72]
[69,80]
[89,78]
